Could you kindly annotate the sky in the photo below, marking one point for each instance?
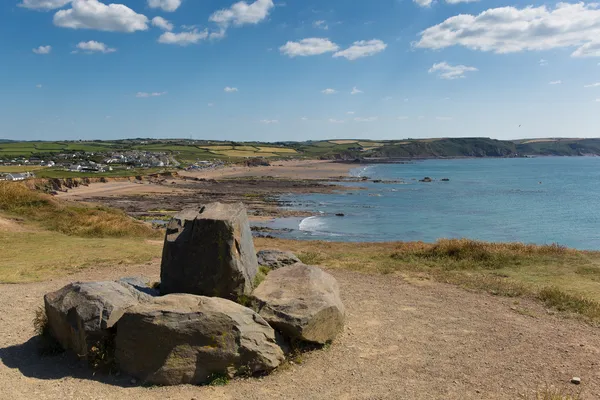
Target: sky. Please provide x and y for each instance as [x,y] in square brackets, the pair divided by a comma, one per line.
[279,70]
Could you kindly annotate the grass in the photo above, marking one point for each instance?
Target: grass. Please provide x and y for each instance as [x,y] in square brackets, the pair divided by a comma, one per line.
[554,394]
[5,169]
[564,279]
[69,218]
[42,255]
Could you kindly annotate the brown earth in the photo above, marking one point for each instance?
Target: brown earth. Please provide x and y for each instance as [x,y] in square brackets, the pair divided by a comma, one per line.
[402,341]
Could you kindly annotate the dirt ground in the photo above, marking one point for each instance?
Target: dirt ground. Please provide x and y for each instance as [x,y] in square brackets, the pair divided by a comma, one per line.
[402,341]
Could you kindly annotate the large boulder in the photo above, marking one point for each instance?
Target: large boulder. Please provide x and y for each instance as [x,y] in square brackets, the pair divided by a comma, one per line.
[275,259]
[302,302]
[182,338]
[209,252]
[82,315]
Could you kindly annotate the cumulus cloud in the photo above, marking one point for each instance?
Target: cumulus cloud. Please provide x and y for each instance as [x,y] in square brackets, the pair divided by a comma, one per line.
[447,71]
[142,95]
[308,47]
[368,119]
[355,90]
[543,62]
[269,121]
[162,23]
[242,13]
[183,38]
[91,14]
[165,5]
[511,29]
[350,113]
[94,47]
[591,85]
[363,48]
[230,89]
[42,50]
[44,5]
[329,91]
[555,82]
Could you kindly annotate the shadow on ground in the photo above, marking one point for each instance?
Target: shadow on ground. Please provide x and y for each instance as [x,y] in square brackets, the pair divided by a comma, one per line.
[26,358]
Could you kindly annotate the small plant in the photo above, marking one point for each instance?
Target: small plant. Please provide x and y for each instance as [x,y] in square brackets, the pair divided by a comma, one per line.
[218,379]
[556,298]
[48,346]
[310,258]
[101,355]
[244,300]
[554,394]
[261,275]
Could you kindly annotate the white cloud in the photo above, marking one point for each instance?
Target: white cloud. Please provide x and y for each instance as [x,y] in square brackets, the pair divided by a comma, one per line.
[356,91]
[363,48]
[94,47]
[387,98]
[443,118]
[461,1]
[43,50]
[152,94]
[91,14]
[555,82]
[230,89]
[447,71]
[39,86]
[162,23]
[597,84]
[220,34]
[329,91]
[183,38]
[269,121]
[511,29]
[543,62]
[165,5]
[304,119]
[350,113]
[308,47]
[368,119]
[402,117]
[423,3]
[242,13]
[44,5]
[598,100]
[336,121]
[321,24]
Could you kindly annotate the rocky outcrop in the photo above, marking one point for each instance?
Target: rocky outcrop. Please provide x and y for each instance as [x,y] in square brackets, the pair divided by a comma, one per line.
[179,339]
[302,302]
[276,259]
[209,252]
[81,315]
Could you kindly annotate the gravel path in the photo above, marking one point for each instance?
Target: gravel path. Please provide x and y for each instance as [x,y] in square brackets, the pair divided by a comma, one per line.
[402,341]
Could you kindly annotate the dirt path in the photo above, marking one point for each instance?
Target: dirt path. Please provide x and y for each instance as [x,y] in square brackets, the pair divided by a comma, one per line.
[402,341]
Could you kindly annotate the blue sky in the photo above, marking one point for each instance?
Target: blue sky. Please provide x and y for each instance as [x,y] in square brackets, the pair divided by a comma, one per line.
[298,69]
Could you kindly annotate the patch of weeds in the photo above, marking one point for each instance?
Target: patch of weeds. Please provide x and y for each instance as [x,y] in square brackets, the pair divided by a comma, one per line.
[101,355]
[244,300]
[261,275]
[556,298]
[218,379]
[326,346]
[310,258]
[47,345]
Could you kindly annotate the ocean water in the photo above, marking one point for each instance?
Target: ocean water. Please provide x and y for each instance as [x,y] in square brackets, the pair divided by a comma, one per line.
[532,200]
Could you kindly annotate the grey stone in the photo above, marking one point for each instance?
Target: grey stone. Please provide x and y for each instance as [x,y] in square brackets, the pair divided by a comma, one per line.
[140,284]
[276,259]
[187,339]
[209,252]
[81,315]
[302,302]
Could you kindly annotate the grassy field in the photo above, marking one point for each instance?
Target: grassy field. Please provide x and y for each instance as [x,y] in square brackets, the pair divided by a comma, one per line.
[20,168]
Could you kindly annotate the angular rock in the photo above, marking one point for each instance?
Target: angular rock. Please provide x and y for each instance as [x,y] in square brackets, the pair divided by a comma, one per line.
[302,302]
[209,252]
[276,259]
[81,315]
[187,339]
[140,284]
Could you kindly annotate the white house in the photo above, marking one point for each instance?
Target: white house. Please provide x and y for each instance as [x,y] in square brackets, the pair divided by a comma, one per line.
[19,177]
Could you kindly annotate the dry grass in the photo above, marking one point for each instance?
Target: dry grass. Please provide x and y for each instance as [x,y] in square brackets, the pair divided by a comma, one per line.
[69,218]
[20,168]
[554,394]
[276,150]
[564,279]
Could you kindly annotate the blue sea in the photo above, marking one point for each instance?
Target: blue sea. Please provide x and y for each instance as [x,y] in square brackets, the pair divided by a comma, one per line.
[541,200]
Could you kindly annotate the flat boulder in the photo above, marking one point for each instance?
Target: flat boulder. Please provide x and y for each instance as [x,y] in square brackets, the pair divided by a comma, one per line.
[275,259]
[302,302]
[209,252]
[82,315]
[188,339]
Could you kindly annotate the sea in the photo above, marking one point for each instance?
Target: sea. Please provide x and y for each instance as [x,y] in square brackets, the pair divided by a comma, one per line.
[541,200]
